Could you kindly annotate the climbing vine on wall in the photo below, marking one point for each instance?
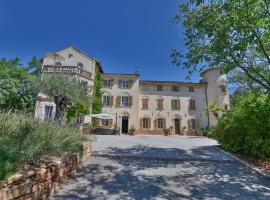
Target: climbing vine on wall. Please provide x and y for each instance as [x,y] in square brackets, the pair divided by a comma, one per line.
[97,94]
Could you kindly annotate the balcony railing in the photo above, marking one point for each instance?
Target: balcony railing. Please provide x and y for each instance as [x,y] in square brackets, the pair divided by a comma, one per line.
[67,70]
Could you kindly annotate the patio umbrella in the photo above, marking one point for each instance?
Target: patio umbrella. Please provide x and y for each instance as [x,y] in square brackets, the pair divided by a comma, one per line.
[102,116]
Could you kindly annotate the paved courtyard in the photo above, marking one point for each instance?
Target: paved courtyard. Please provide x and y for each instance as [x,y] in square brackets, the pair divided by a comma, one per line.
[160,167]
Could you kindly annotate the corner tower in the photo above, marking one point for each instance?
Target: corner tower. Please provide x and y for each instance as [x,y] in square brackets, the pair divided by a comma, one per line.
[216,91]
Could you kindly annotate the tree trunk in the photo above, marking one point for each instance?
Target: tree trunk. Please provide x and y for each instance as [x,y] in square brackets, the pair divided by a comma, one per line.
[62,106]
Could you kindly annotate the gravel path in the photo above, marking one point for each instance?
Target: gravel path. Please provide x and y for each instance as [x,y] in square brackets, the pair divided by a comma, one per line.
[158,167]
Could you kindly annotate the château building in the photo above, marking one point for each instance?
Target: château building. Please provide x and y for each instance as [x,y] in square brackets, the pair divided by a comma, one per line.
[149,106]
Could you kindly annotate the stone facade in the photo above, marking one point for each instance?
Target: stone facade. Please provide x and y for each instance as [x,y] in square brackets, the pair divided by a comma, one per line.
[38,182]
[148,106]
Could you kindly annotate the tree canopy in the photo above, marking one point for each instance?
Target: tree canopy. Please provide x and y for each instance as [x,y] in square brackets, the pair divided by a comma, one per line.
[66,91]
[233,34]
[15,90]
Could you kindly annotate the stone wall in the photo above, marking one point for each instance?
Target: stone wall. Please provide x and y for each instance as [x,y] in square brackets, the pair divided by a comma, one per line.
[38,182]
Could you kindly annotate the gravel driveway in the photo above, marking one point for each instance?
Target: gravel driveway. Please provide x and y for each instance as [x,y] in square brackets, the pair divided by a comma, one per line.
[160,167]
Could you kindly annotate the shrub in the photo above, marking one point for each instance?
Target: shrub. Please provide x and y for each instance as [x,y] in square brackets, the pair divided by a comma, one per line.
[131,130]
[245,129]
[208,132]
[24,140]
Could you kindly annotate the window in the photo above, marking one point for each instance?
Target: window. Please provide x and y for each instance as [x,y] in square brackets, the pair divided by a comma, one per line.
[191,89]
[175,88]
[125,101]
[145,104]
[193,123]
[175,104]
[160,123]
[80,64]
[70,55]
[106,100]
[145,123]
[105,122]
[58,63]
[159,88]
[107,83]
[192,105]
[160,104]
[48,113]
[80,119]
[125,84]
[226,107]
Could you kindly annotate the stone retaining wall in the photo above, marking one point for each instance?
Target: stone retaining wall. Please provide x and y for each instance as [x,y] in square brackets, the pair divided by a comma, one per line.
[38,182]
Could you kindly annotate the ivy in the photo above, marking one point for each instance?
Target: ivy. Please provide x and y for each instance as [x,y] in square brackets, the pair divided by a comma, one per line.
[97,94]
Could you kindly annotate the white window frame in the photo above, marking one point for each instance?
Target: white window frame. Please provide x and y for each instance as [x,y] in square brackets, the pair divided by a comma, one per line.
[125,83]
[48,115]
[107,83]
[80,119]
[124,101]
[106,100]
[160,123]
[145,123]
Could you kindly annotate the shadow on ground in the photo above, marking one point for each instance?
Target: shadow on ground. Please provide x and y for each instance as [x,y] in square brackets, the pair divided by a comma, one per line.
[210,153]
[146,178]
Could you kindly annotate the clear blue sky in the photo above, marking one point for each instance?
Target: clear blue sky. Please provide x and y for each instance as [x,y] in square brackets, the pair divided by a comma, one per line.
[123,34]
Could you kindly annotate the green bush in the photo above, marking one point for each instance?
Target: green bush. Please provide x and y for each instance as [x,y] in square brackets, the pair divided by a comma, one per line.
[24,140]
[245,129]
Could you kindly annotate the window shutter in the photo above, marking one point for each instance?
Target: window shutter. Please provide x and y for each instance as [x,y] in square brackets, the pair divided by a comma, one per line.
[141,122]
[98,121]
[130,83]
[198,127]
[149,123]
[178,104]
[130,101]
[110,123]
[111,100]
[120,83]
[156,123]
[172,105]
[164,123]
[112,82]
[118,101]
[189,124]
[161,107]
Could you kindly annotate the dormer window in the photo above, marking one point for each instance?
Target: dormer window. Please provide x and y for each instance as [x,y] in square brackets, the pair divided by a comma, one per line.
[80,65]
[58,63]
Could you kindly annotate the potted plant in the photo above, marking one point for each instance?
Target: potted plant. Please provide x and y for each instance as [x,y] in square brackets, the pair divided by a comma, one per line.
[116,129]
[86,128]
[167,131]
[184,130]
[131,130]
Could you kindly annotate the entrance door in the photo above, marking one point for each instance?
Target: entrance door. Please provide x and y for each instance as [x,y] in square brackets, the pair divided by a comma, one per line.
[124,124]
[177,125]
